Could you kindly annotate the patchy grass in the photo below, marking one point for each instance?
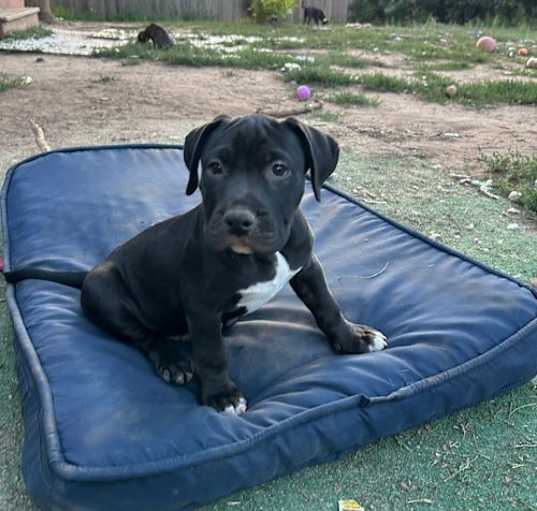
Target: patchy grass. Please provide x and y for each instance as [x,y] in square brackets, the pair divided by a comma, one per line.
[105,79]
[515,172]
[320,75]
[186,54]
[8,82]
[444,66]
[324,116]
[32,33]
[351,99]
[344,60]
[510,92]
[428,48]
[383,83]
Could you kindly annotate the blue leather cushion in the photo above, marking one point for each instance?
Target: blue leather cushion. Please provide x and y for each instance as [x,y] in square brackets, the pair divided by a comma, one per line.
[103,432]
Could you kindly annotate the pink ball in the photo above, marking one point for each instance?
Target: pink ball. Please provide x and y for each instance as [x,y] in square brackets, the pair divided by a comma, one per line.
[303,92]
[486,43]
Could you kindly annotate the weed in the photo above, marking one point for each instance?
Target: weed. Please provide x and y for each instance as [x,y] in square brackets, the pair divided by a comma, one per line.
[383,83]
[325,116]
[320,75]
[455,65]
[32,33]
[344,60]
[510,92]
[7,83]
[105,79]
[514,171]
[349,98]
[186,54]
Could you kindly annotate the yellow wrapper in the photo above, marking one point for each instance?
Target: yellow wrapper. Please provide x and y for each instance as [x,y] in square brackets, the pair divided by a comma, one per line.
[349,505]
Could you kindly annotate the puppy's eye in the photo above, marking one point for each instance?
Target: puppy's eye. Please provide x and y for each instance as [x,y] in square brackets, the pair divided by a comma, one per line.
[215,167]
[280,170]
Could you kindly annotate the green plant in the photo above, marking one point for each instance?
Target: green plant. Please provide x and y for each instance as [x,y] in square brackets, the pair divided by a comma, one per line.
[445,11]
[319,75]
[32,33]
[7,83]
[349,99]
[513,171]
[263,10]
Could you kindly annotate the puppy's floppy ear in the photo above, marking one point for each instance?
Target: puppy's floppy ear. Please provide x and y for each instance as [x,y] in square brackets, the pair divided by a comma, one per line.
[322,153]
[194,143]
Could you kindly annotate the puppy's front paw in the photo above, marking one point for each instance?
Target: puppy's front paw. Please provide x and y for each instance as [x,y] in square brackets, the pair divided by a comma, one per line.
[362,339]
[229,401]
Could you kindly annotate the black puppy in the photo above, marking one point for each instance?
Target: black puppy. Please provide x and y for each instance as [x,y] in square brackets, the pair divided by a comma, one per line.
[157,35]
[313,14]
[227,257]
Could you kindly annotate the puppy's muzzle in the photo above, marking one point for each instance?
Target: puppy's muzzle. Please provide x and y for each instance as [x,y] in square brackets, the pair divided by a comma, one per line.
[240,221]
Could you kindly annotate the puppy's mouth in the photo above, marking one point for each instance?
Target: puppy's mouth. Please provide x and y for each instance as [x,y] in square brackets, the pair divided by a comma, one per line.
[243,244]
[239,245]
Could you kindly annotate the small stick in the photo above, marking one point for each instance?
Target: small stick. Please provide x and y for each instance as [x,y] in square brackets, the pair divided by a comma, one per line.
[486,193]
[309,107]
[420,501]
[529,405]
[39,135]
[464,467]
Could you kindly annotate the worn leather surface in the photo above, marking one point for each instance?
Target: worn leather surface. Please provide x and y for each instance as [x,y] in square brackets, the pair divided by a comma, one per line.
[104,432]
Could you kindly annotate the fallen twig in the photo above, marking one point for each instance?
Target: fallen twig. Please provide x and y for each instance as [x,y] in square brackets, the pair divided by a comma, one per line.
[464,467]
[529,405]
[483,189]
[371,201]
[306,109]
[39,135]
[419,501]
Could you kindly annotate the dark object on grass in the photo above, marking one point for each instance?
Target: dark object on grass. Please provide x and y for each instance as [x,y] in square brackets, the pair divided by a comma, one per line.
[314,14]
[157,35]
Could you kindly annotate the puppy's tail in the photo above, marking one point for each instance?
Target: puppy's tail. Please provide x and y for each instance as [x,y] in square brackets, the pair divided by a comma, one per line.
[68,278]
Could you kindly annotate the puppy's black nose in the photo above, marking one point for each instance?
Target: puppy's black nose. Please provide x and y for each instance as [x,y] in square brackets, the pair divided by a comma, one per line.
[239,220]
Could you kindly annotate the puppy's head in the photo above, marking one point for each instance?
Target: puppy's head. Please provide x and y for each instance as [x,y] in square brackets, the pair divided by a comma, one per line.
[252,178]
[143,36]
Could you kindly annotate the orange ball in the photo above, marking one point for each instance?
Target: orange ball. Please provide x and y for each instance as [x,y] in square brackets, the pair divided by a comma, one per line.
[522,52]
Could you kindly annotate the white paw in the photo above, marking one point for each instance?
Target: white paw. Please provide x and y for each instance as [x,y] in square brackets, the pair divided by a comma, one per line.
[238,409]
[379,341]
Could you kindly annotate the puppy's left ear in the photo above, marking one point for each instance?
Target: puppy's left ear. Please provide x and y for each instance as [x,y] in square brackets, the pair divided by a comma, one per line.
[194,143]
[322,153]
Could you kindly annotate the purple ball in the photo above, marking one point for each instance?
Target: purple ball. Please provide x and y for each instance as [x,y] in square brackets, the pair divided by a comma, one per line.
[303,92]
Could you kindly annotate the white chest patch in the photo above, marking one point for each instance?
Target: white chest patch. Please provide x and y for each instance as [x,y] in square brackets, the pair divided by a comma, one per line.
[259,294]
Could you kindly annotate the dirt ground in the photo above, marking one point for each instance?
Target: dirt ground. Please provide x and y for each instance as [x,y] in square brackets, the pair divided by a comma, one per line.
[81,100]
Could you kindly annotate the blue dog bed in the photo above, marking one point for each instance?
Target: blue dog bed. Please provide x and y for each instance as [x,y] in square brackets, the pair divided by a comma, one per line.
[103,432]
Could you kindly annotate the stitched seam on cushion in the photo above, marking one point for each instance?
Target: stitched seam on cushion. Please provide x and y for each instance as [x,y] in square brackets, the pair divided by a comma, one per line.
[80,473]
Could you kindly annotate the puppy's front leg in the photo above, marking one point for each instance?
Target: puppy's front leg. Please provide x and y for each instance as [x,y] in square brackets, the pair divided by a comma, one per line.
[209,363]
[346,337]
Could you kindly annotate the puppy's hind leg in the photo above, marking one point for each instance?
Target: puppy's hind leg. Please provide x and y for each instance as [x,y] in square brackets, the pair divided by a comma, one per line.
[106,303]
